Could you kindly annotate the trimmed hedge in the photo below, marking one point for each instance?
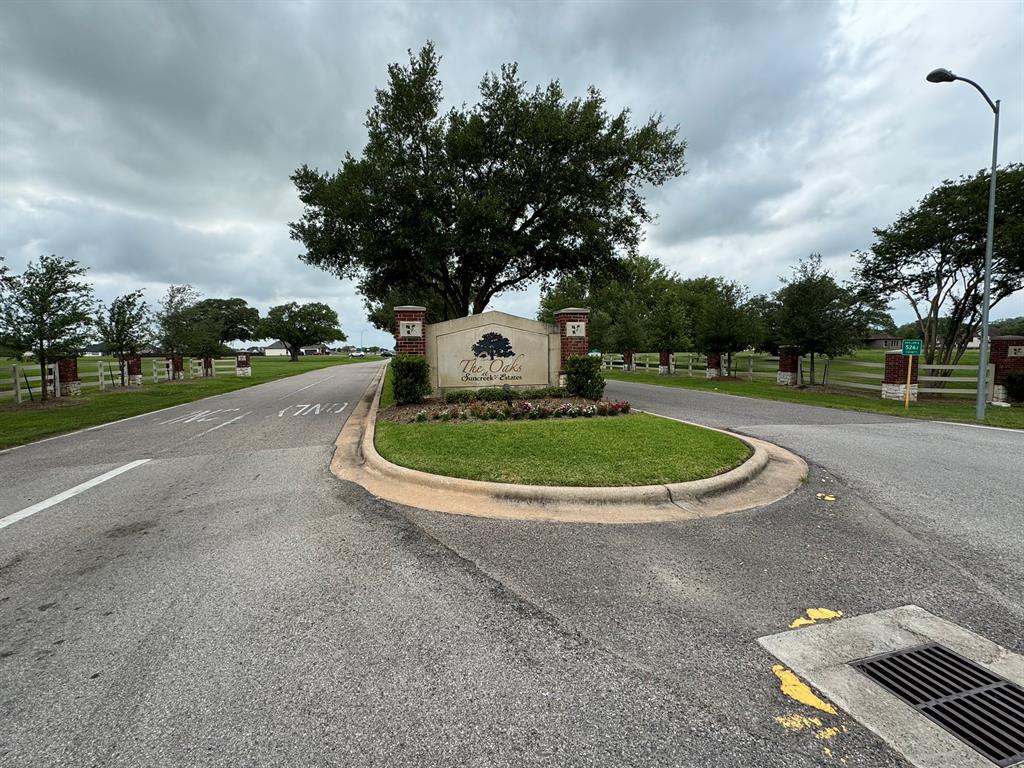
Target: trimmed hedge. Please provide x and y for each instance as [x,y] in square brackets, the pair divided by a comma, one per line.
[410,378]
[583,377]
[497,395]
[1015,386]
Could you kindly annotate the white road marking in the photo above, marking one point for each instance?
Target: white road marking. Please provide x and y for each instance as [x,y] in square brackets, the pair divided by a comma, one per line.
[978,426]
[222,424]
[11,519]
[301,389]
[199,416]
[312,409]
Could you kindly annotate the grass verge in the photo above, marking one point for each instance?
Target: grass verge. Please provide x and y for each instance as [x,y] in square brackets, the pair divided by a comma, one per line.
[610,451]
[923,409]
[28,422]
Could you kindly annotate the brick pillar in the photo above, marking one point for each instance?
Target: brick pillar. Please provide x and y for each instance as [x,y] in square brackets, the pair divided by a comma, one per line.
[573,333]
[208,365]
[135,370]
[627,361]
[1006,353]
[789,362]
[666,362]
[894,381]
[67,369]
[243,367]
[410,330]
[714,369]
[177,366]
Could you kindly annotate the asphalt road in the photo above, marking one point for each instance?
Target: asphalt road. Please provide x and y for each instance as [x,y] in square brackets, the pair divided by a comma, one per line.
[229,602]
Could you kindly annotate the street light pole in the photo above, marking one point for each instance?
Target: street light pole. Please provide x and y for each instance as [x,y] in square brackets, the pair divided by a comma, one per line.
[945,76]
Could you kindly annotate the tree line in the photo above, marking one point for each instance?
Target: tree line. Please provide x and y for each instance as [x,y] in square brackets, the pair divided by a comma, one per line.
[449,209]
[50,311]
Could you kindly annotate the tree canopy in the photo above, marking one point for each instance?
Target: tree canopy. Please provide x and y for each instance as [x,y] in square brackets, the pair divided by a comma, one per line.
[175,327]
[933,256]
[47,310]
[817,315]
[299,325]
[523,186]
[124,327]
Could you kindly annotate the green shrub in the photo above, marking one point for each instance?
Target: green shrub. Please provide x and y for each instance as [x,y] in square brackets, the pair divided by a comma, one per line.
[410,379]
[460,396]
[492,394]
[583,377]
[1015,386]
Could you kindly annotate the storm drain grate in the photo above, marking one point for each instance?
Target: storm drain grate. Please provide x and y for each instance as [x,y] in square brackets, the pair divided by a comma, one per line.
[980,708]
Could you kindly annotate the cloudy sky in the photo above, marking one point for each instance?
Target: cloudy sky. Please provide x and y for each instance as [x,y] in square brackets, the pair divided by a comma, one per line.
[154,141]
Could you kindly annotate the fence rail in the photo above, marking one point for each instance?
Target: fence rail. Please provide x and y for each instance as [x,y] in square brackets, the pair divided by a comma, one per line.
[937,379]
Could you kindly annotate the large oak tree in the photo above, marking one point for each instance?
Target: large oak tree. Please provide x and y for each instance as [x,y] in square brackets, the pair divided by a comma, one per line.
[933,256]
[469,203]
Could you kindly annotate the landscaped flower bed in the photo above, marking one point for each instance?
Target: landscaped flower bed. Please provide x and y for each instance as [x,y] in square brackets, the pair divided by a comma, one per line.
[543,408]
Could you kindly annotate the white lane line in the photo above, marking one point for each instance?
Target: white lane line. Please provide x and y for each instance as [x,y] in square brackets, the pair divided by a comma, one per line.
[300,389]
[11,519]
[977,426]
[222,424]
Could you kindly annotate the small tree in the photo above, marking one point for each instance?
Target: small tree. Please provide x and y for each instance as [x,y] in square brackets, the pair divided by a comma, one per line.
[299,325]
[124,327]
[175,324]
[818,315]
[721,320]
[493,345]
[46,310]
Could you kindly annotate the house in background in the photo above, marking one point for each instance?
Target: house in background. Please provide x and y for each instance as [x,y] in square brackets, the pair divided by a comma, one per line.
[277,349]
[93,350]
[315,349]
[885,341]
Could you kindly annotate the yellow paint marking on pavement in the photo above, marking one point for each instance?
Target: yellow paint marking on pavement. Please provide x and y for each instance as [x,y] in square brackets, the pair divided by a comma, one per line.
[823,614]
[813,616]
[825,496]
[798,722]
[796,689]
[827,733]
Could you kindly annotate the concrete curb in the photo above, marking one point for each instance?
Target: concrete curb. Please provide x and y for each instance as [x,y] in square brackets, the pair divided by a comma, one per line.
[356,459]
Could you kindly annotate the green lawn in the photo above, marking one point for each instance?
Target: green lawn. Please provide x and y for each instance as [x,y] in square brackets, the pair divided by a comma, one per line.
[956,410]
[28,422]
[619,450]
[387,394]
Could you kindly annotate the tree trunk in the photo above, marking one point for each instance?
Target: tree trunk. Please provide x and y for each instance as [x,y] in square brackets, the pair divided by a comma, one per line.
[812,369]
[294,354]
[42,377]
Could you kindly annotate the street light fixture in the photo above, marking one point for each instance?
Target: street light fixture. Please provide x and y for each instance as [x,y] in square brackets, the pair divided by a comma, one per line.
[945,76]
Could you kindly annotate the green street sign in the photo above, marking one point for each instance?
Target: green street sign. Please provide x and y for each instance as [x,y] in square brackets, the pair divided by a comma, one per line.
[911,347]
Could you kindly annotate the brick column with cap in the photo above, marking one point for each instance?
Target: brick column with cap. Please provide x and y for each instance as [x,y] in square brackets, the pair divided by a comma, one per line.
[894,381]
[135,371]
[208,369]
[573,332]
[177,366]
[411,330]
[789,362]
[243,367]
[714,369]
[1005,353]
[666,362]
[67,369]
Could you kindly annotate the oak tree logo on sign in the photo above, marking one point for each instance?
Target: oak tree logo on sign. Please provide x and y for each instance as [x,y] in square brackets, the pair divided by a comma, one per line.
[493,345]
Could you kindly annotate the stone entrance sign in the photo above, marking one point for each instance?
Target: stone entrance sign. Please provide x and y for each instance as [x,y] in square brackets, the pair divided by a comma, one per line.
[490,350]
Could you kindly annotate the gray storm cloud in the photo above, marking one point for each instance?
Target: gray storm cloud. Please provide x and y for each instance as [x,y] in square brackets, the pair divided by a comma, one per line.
[153,141]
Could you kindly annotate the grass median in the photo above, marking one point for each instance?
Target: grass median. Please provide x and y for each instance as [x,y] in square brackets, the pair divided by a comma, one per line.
[933,410]
[638,449]
[24,423]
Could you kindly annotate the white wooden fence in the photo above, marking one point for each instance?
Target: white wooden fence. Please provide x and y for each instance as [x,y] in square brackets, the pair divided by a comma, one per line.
[22,383]
[842,373]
